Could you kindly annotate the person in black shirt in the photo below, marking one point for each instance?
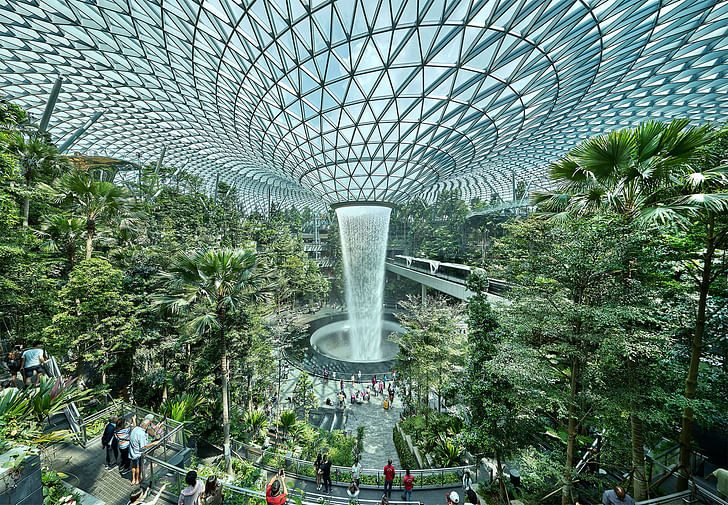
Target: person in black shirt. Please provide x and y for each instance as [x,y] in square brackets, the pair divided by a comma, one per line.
[326,473]
[110,443]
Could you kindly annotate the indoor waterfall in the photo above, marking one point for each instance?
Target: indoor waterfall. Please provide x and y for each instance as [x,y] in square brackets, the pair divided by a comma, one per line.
[364,230]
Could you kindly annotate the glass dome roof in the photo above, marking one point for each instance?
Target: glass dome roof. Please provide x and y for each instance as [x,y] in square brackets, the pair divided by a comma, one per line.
[321,101]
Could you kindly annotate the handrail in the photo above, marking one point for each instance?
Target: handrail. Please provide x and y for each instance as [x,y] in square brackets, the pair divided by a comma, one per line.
[308,498]
[173,427]
[345,470]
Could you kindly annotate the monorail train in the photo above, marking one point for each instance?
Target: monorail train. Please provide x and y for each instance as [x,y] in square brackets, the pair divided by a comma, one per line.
[450,271]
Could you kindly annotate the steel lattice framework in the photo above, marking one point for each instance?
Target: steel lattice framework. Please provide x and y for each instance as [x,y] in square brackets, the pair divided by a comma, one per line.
[310,101]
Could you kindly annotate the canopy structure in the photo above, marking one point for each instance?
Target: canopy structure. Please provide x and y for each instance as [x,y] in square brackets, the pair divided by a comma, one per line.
[311,102]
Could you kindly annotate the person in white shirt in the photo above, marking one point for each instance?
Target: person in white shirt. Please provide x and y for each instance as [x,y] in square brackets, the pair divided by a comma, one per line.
[31,363]
[356,472]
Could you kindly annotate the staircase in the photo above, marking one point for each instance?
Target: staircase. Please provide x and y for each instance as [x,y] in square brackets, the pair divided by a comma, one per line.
[328,419]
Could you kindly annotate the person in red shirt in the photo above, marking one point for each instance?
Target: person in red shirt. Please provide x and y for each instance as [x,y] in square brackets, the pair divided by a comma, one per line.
[274,495]
[388,478]
[409,483]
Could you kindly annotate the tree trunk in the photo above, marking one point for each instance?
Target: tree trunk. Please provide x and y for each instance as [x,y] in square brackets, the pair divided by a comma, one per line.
[105,362]
[638,459]
[250,394]
[691,383]
[571,436]
[502,486]
[26,210]
[165,392]
[89,244]
[225,374]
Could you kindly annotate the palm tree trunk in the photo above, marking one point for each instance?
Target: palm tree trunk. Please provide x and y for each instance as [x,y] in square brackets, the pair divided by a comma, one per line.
[638,459]
[571,436]
[26,210]
[89,244]
[26,199]
[225,404]
[696,348]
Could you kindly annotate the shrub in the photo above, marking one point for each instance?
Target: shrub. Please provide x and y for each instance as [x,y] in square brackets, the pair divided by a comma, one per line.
[406,458]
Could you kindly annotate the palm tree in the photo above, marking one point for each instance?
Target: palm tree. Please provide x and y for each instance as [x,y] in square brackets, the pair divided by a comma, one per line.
[257,421]
[62,232]
[95,201]
[287,422]
[216,284]
[36,157]
[633,173]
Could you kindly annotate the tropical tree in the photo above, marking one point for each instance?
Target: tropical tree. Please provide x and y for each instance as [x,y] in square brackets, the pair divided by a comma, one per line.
[35,157]
[214,287]
[632,173]
[431,347]
[97,202]
[62,233]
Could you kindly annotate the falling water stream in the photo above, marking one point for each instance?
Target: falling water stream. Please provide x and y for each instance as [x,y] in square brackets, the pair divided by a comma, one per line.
[364,230]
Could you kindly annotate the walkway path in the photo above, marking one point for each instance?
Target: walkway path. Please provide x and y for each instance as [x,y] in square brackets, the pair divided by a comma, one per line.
[378,422]
[85,470]
[427,497]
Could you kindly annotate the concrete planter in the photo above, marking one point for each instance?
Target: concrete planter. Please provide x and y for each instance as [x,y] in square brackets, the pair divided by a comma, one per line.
[21,484]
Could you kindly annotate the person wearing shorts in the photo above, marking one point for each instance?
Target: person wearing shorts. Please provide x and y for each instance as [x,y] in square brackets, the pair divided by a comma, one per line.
[32,363]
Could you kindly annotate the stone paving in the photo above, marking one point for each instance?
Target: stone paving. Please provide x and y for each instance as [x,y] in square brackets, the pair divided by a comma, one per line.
[378,422]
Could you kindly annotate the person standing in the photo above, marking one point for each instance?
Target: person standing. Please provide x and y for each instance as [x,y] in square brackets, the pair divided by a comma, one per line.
[276,493]
[356,472]
[326,473]
[467,483]
[409,483]
[191,494]
[15,365]
[720,475]
[358,375]
[353,380]
[123,432]
[388,478]
[110,443]
[317,469]
[31,362]
[213,491]
[617,496]
[138,442]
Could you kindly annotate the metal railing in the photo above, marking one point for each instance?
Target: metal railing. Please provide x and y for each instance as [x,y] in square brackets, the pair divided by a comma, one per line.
[295,466]
[70,410]
[171,433]
[161,471]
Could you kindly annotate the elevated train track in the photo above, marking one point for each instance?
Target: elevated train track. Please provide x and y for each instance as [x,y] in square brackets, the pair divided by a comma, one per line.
[448,278]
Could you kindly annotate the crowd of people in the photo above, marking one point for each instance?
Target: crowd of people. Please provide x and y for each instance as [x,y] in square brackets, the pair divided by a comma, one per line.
[360,393]
[125,443]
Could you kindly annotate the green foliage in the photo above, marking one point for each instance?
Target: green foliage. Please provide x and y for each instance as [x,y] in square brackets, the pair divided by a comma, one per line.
[95,320]
[431,345]
[22,412]
[406,458]
[54,490]
[181,407]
